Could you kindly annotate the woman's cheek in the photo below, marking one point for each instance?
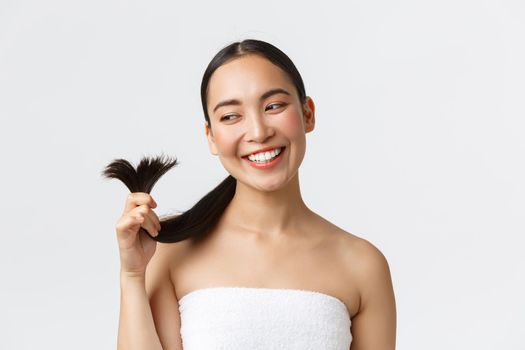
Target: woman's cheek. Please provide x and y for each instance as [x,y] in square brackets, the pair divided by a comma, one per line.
[292,124]
[225,142]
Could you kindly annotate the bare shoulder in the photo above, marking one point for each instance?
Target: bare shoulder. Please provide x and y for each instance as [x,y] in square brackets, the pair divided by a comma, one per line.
[363,256]
[359,255]
[374,324]
[172,254]
[159,270]
[365,262]
[368,271]
[356,250]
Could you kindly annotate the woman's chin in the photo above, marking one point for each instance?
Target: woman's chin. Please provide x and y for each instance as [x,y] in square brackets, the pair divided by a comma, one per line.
[269,185]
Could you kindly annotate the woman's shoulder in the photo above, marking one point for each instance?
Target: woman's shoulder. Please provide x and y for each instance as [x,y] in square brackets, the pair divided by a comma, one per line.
[173,253]
[359,255]
[362,267]
[349,242]
[366,266]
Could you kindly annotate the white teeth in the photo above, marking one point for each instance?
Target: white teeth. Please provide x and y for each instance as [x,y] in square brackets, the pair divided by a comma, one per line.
[264,157]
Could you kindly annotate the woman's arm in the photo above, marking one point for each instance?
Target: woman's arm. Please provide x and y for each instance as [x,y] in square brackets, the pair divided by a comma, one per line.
[162,298]
[374,326]
[136,327]
[149,317]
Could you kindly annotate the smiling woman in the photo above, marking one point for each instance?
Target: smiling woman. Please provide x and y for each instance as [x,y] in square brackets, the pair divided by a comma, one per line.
[249,266]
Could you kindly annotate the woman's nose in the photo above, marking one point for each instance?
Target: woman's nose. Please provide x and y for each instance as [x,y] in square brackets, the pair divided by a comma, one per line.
[258,129]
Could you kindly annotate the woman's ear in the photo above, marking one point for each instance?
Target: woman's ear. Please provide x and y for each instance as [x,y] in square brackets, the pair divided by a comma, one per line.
[211,140]
[309,114]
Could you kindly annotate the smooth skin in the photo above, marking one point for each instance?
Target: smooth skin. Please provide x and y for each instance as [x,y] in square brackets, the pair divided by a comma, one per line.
[267,236]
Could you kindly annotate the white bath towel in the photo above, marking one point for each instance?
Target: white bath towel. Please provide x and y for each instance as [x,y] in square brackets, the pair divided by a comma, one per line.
[245,318]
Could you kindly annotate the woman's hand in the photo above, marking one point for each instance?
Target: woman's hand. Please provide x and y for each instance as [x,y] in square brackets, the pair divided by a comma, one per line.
[135,246]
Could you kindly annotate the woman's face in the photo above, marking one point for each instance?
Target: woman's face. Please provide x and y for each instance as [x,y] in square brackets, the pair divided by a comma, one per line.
[253,105]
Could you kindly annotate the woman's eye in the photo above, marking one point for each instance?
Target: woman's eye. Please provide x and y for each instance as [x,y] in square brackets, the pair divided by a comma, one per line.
[226,117]
[277,105]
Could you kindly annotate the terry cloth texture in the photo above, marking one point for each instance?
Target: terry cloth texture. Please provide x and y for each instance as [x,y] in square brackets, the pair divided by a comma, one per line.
[244,318]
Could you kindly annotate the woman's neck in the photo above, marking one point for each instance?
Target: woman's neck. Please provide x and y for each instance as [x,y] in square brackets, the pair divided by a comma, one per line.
[267,213]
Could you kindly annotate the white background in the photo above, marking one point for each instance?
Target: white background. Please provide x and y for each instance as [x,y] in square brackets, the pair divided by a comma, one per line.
[418,148]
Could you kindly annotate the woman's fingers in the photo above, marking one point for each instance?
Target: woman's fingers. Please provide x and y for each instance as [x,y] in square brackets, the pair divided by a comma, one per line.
[152,216]
[155,219]
[138,198]
[150,220]
[128,225]
[138,213]
[136,248]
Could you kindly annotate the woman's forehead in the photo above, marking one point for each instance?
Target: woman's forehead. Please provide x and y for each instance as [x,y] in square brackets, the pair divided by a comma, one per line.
[244,76]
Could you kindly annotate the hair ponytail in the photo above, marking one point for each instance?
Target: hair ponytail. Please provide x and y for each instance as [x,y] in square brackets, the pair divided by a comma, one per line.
[195,222]
[204,215]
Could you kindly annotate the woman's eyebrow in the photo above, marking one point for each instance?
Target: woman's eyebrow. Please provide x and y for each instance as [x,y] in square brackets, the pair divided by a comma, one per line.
[273,92]
[264,96]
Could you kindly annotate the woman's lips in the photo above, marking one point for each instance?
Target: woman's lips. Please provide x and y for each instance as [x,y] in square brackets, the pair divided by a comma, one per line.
[264,150]
[268,165]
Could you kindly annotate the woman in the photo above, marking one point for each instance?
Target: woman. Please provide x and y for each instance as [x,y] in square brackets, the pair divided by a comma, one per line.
[251,266]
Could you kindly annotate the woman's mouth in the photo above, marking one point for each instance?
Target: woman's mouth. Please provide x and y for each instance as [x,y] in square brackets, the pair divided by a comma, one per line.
[264,160]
